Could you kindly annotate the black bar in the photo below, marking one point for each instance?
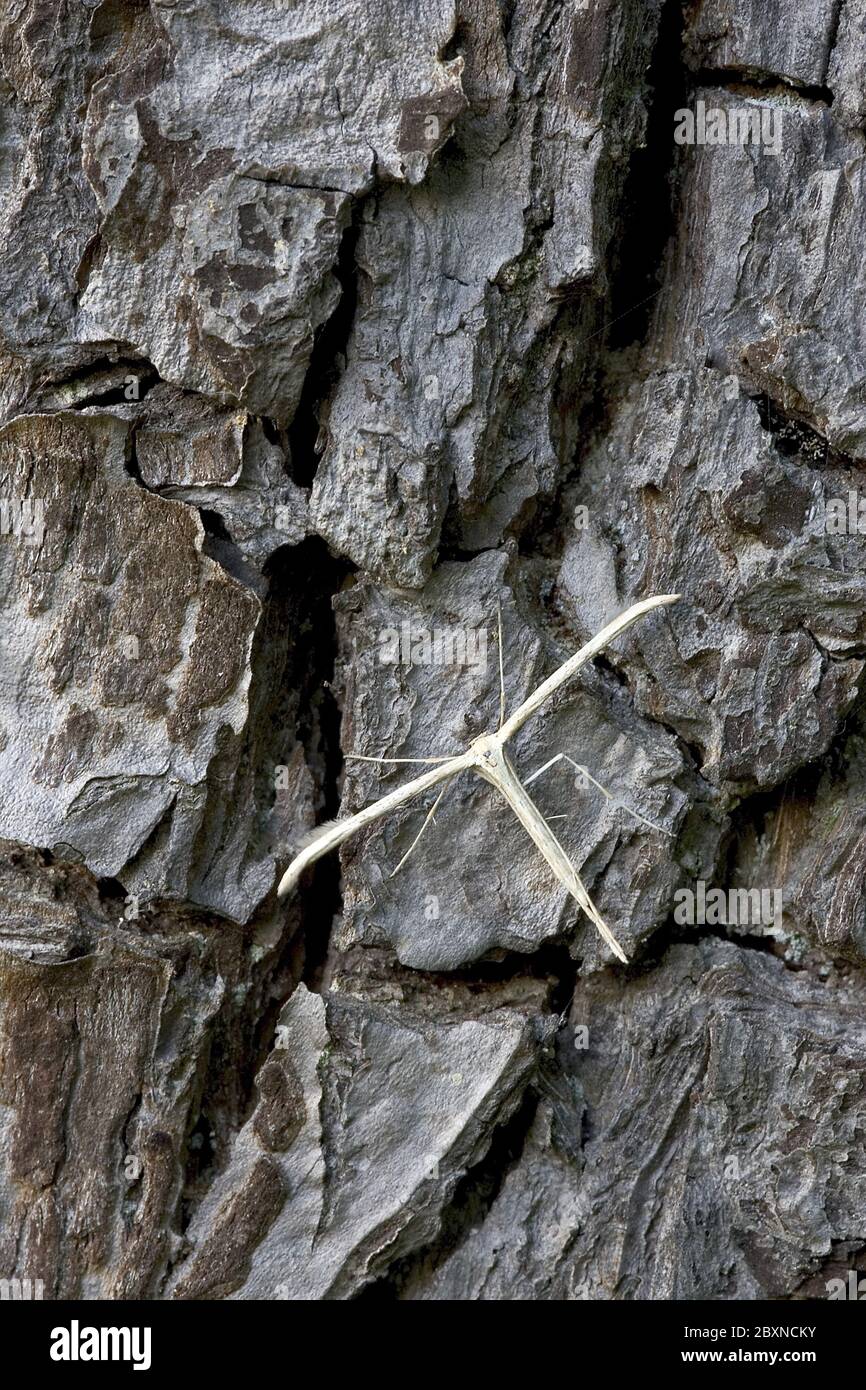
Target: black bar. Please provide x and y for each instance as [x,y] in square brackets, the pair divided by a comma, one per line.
[224,1338]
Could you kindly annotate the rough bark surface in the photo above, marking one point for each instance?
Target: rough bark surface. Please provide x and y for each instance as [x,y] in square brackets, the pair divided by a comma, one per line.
[326,322]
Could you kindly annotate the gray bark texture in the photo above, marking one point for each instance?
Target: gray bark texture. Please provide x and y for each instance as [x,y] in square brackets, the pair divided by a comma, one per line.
[328,324]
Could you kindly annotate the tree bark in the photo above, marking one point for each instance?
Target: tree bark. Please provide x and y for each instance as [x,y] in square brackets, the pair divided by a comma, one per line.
[329,334]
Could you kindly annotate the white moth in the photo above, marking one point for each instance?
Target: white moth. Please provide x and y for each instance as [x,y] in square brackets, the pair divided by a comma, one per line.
[486,756]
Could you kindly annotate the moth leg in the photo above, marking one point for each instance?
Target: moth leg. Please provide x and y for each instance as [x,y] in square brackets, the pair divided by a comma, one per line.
[365,758]
[430,816]
[604,791]
[501,669]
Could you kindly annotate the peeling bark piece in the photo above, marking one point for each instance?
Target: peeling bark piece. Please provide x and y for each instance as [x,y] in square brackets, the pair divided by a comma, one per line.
[36,923]
[127,660]
[43,79]
[760,273]
[724,1097]
[101,1058]
[203,215]
[373,973]
[704,505]
[123,1034]
[768,37]
[242,1223]
[222,461]
[396,1108]
[229,305]
[195,447]
[444,910]
[479,300]
[320,97]
[519,1250]
[813,840]
[846,77]
[225,186]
